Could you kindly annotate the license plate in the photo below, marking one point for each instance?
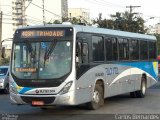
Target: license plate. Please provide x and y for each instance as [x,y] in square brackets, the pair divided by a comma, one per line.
[37,103]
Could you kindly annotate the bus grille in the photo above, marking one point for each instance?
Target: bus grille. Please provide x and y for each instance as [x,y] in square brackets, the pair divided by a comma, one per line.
[46,100]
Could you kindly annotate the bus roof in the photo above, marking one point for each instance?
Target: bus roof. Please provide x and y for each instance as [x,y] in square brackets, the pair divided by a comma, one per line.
[91,29]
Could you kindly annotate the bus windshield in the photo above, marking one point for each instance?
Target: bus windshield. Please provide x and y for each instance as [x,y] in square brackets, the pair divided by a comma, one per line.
[41,60]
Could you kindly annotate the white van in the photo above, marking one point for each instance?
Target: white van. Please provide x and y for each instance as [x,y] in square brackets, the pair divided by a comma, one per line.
[4,79]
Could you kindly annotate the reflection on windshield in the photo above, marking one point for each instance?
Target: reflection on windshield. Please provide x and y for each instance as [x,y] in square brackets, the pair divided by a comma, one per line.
[41,60]
[3,71]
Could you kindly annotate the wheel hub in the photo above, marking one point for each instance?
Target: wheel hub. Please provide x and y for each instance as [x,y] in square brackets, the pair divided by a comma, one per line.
[96,96]
[143,88]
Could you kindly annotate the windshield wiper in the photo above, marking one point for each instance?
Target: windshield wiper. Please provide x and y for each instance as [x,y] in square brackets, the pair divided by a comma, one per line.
[31,51]
[49,51]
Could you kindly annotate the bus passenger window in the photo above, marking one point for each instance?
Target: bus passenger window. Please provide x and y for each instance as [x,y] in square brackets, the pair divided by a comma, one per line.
[123,49]
[115,49]
[143,50]
[134,50]
[111,49]
[98,48]
[152,50]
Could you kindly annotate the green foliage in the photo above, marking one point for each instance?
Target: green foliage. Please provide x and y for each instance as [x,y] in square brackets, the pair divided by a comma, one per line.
[56,22]
[73,20]
[4,61]
[158,43]
[122,21]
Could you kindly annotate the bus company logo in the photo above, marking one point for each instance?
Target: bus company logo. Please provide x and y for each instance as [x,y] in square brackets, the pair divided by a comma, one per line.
[44,91]
[36,91]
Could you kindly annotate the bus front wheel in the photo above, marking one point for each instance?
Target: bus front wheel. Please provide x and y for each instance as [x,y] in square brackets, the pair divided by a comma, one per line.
[97,98]
[140,93]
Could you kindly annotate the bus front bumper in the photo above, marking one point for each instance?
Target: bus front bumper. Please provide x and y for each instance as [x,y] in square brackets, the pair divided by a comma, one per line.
[64,99]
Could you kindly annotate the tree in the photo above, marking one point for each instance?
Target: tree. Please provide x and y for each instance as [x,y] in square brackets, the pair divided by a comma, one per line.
[122,21]
[158,43]
[4,61]
[73,20]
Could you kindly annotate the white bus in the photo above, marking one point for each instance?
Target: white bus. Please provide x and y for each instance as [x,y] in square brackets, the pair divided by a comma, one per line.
[73,65]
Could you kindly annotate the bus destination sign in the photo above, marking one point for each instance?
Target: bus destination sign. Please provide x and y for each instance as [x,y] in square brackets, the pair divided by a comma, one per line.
[42,33]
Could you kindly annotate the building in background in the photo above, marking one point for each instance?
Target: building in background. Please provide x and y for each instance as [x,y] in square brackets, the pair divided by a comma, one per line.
[157,28]
[151,29]
[7,44]
[81,13]
[64,8]
[18,13]
[31,12]
[53,10]
[7,31]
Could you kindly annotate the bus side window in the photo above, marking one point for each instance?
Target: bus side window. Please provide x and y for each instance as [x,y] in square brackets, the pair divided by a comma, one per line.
[84,52]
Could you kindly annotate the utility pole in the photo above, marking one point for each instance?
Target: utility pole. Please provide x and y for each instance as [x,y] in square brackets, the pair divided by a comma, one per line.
[131,11]
[131,8]
[43,12]
[23,13]
[0,35]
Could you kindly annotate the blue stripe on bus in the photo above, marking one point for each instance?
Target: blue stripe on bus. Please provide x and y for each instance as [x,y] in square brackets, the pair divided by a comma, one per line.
[149,67]
[25,89]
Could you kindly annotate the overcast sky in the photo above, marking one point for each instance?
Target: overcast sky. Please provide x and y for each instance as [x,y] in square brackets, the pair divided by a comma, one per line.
[149,8]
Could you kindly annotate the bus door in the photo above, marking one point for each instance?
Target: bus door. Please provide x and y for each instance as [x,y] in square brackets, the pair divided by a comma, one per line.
[81,56]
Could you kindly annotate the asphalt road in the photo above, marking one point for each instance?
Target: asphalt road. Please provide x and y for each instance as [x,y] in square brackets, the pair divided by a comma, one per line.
[121,104]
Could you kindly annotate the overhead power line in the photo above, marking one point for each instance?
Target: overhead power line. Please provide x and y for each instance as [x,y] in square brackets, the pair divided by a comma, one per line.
[6,14]
[46,10]
[35,18]
[6,23]
[104,3]
[28,4]
[109,3]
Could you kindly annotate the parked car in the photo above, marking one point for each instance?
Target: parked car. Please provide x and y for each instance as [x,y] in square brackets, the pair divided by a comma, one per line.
[4,79]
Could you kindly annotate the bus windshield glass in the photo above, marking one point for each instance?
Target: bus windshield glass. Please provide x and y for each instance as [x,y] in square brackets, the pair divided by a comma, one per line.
[45,59]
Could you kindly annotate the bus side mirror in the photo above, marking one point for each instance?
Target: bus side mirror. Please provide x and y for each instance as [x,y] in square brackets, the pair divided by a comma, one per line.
[78,53]
[85,52]
[84,49]
[3,52]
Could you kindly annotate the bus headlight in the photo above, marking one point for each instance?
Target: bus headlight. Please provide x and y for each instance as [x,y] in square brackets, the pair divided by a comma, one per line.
[66,88]
[1,80]
[13,89]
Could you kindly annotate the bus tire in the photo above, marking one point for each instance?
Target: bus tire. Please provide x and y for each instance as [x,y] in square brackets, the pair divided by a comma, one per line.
[132,94]
[141,93]
[43,108]
[97,98]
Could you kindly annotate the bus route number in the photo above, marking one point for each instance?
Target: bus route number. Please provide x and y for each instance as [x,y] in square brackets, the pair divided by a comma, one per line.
[112,71]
